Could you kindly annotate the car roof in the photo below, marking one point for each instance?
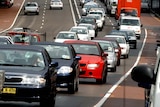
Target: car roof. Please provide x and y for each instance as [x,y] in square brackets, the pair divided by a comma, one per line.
[22,47]
[81,42]
[51,43]
[130,17]
[67,32]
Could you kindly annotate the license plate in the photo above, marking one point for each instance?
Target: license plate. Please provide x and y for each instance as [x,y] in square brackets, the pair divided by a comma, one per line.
[9,90]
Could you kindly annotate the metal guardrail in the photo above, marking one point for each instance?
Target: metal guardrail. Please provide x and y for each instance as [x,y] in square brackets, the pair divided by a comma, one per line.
[2,78]
[155,7]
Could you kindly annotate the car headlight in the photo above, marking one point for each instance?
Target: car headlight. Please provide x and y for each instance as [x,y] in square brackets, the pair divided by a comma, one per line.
[92,66]
[64,70]
[33,80]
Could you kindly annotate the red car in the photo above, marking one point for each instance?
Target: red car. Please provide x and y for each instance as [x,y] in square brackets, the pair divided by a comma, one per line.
[116,46]
[93,63]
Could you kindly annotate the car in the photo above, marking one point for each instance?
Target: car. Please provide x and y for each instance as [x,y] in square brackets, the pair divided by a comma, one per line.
[31,7]
[93,63]
[98,10]
[68,64]
[99,20]
[120,33]
[56,4]
[82,2]
[108,47]
[132,38]
[125,48]
[131,23]
[89,20]
[87,6]
[6,40]
[82,32]
[30,75]
[24,38]
[116,45]
[90,28]
[8,3]
[66,35]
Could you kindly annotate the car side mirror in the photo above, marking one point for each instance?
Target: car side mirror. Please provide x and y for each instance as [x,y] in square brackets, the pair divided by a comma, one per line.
[78,57]
[143,74]
[54,64]
[104,54]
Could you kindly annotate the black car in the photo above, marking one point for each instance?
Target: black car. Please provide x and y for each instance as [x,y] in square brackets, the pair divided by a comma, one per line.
[132,38]
[68,64]
[30,75]
[120,33]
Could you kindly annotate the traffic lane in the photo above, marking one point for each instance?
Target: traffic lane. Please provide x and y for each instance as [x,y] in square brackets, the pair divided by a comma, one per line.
[128,93]
[8,15]
[31,20]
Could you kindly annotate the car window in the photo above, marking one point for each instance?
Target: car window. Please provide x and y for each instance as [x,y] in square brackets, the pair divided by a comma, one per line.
[132,22]
[58,52]
[86,49]
[79,30]
[107,47]
[23,58]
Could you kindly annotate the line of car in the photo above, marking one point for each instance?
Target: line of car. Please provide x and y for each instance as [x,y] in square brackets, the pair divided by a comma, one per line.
[62,64]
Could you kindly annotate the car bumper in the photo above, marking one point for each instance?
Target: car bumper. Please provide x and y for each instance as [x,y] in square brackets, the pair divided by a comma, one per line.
[23,94]
[63,81]
[56,6]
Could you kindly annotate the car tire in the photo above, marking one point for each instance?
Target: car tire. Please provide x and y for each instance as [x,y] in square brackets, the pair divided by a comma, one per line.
[72,87]
[114,69]
[47,101]
[119,62]
[135,46]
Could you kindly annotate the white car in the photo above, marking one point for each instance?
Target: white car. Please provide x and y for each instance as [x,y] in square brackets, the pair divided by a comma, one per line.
[99,20]
[125,48]
[82,32]
[31,7]
[87,7]
[130,23]
[66,35]
[90,28]
[98,10]
[6,40]
[56,4]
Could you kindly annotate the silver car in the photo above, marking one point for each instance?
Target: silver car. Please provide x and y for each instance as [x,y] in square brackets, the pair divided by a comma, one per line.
[31,7]
[108,48]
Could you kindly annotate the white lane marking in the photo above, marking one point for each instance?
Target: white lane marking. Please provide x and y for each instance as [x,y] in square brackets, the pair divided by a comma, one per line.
[73,15]
[107,95]
[14,18]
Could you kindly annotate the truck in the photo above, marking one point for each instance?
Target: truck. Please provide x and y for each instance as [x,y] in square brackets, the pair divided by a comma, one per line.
[132,6]
[111,6]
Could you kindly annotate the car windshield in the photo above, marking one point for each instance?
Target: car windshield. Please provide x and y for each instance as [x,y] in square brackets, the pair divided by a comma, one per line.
[107,47]
[87,20]
[19,38]
[79,30]
[58,52]
[25,58]
[86,49]
[66,36]
[132,22]
[31,4]
[119,39]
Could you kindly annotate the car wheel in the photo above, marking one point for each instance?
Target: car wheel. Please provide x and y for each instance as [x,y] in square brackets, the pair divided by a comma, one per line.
[37,13]
[48,101]
[135,46]
[114,69]
[72,87]
[119,62]
[77,85]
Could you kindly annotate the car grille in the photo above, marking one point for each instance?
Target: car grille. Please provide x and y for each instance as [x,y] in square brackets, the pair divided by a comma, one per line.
[82,65]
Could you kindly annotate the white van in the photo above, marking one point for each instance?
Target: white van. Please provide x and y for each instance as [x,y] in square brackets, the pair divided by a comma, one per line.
[149,78]
[130,23]
[111,6]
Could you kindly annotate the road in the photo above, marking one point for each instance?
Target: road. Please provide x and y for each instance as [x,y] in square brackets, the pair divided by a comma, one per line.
[90,94]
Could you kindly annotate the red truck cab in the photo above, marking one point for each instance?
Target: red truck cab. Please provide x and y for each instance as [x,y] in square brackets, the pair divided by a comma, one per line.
[130,7]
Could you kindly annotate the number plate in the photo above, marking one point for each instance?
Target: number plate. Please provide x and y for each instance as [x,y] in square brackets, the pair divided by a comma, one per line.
[9,90]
